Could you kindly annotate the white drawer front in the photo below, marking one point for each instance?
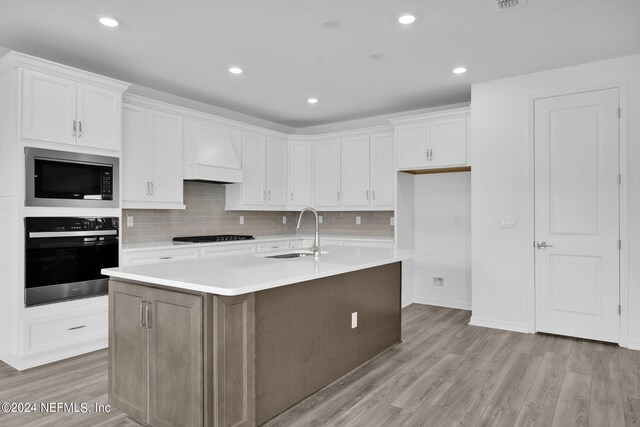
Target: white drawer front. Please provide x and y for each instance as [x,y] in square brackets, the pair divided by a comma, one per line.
[47,333]
[366,244]
[239,249]
[162,255]
[273,246]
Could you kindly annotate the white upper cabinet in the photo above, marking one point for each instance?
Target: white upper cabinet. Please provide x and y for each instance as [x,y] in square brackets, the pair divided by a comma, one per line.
[300,173]
[355,171]
[383,172]
[253,191]
[264,167]
[48,107]
[276,171]
[62,110]
[151,159]
[326,173]
[436,140]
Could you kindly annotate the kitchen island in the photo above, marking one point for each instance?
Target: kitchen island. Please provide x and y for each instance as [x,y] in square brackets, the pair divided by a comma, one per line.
[235,340]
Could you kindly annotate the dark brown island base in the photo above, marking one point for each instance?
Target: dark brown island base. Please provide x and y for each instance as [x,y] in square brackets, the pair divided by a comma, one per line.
[183,358]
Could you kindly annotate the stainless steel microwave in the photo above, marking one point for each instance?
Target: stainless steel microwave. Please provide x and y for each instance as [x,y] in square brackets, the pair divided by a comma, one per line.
[60,178]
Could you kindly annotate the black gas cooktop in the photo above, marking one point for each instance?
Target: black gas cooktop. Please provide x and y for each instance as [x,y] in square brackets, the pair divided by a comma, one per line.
[215,238]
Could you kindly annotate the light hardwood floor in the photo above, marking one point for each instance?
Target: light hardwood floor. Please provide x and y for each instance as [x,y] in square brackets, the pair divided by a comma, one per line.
[445,373]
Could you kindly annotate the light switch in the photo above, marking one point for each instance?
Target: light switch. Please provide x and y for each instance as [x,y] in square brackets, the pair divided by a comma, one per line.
[354,320]
[508,222]
[284,219]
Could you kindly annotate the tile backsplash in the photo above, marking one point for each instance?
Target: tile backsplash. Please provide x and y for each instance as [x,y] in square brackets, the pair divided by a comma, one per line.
[205,214]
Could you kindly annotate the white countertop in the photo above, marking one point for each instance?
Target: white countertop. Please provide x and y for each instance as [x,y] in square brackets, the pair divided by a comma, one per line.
[240,274]
[135,247]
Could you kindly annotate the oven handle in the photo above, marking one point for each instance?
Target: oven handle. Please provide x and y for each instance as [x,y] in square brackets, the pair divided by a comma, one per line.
[43,234]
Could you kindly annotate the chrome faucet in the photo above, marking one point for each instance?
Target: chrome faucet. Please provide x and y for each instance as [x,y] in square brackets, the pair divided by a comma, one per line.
[316,241]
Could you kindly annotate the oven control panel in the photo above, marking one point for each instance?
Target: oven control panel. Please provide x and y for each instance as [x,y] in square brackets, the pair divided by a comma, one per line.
[71,224]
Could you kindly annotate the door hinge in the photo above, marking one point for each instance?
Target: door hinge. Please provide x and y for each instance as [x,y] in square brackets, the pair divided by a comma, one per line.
[619,310]
[619,112]
[619,244]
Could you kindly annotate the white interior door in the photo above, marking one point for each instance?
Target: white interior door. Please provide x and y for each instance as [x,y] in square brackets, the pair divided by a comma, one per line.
[577,215]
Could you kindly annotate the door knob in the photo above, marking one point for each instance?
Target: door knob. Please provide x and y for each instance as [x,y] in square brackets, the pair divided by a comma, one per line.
[543,245]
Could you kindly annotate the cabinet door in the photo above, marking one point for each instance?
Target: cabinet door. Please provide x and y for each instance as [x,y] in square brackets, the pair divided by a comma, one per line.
[128,361]
[137,149]
[253,161]
[412,145]
[167,134]
[355,171]
[48,107]
[99,117]
[176,373]
[448,142]
[276,172]
[326,171]
[383,172]
[300,172]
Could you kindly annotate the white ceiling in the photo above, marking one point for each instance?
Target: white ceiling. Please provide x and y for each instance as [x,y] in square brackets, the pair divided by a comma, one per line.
[185,47]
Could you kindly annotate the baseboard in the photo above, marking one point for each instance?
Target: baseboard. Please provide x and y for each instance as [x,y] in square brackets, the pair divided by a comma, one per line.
[29,361]
[633,345]
[461,305]
[499,324]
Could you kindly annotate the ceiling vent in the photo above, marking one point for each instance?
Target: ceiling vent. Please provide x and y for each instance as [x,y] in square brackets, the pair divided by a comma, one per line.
[508,4]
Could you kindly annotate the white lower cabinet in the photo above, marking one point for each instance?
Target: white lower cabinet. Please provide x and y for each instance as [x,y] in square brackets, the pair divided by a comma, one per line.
[47,333]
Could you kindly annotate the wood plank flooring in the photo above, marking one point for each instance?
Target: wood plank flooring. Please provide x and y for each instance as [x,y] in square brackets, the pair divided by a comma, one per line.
[445,373]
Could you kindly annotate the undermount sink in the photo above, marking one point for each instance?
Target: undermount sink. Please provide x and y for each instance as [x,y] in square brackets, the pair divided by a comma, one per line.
[290,255]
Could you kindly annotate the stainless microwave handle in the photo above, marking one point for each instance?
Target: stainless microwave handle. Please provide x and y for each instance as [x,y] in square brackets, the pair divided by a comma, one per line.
[43,234]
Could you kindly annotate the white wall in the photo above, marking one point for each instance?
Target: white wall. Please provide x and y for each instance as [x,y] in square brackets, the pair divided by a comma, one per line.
[502,259]
[442,227]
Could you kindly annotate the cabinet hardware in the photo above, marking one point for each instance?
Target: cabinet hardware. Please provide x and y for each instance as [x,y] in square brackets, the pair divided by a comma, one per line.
[269,195]
[76,327]
[292,196]
[147,314]
[165,257]
[338,196]
[79,129]
[430,154]
[264,195]
[426,155]
[373,194]
[142,325]
[74,128]
[152,189]
[543,245]
[148,189]
[367,195]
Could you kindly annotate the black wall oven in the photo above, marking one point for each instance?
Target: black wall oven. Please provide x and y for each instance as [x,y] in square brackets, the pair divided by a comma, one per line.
[60,178]
[64,256]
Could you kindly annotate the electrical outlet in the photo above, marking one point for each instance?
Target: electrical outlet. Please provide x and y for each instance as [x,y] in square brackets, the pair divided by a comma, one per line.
[438,282]
[392,220]
[129,221]
[358,220]
[354,320]
[241,219]
[284,219]
[320,219]
[508,222]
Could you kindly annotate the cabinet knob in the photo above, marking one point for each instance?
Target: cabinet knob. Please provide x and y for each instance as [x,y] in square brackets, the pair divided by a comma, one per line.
[74,128]
[79,129]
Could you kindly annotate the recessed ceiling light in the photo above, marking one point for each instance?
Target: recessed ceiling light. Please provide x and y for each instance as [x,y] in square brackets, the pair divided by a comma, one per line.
[312,100]
[376,55]
[235,70]
[108,22]
[407,19]
[459,70]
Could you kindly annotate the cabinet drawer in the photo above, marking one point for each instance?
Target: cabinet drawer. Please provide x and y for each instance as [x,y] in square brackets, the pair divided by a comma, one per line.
[273,246]
[240,249]
[161,255]
[47,333]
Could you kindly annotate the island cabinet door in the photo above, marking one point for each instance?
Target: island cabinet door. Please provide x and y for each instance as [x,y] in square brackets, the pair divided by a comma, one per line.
[174,322]
[128,364]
